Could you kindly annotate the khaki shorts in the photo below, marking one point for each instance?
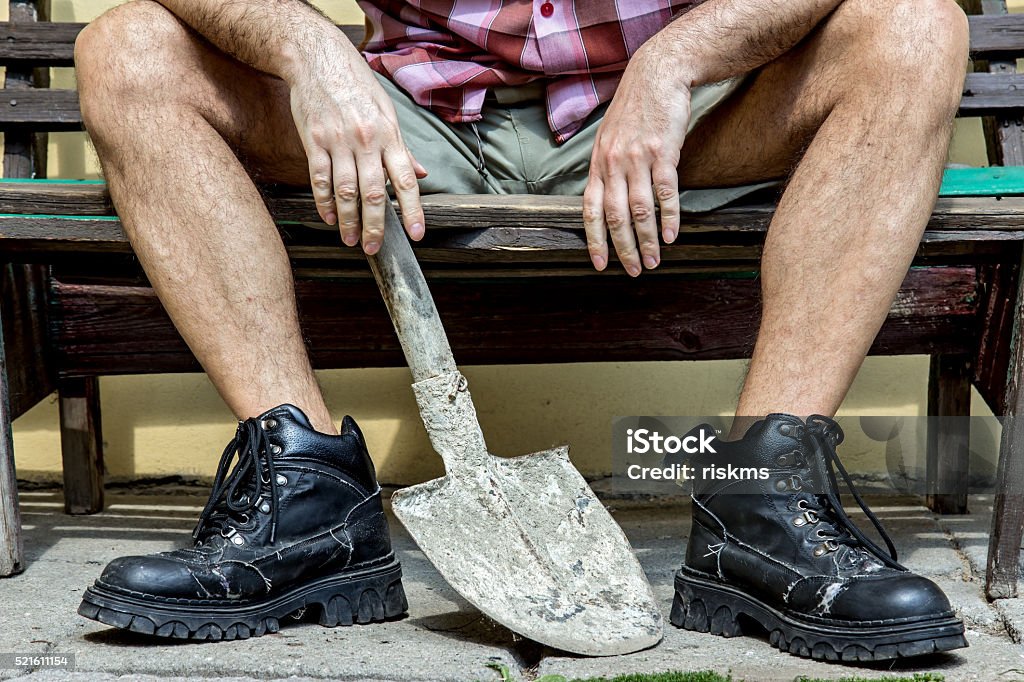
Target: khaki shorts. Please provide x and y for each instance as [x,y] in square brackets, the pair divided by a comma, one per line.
[512,151]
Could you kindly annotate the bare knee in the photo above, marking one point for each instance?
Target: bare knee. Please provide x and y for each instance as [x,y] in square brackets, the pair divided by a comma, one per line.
[127,57]
[919,48]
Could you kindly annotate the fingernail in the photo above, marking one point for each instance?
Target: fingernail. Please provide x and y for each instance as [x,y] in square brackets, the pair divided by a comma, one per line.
[371,247]
[633,270]
[599,261]
[417,230]
[670,236]
[350,239]
[330,218]
[650,262]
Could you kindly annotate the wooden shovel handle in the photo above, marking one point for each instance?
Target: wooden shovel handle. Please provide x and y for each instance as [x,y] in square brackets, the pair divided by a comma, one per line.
[409,301]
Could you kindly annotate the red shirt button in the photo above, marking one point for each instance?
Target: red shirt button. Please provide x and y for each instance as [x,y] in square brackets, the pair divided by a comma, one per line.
[547,9]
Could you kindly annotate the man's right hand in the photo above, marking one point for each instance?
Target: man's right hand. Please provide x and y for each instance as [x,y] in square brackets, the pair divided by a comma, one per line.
[349,130]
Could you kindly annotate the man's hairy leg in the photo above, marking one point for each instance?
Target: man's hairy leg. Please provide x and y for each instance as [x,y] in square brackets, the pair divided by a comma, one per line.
[868,99]
[167,114]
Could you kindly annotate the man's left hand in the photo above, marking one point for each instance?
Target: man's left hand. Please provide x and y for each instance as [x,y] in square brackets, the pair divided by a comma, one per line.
[635,161]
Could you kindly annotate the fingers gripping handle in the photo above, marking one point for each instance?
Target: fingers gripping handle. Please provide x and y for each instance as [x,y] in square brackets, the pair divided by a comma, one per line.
[409,301]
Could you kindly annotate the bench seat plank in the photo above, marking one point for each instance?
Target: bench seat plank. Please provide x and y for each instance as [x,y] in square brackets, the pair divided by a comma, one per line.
[91,198]
[30,239]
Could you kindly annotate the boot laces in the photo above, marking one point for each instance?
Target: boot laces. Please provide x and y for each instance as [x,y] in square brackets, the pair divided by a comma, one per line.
[825,435]
[236,494]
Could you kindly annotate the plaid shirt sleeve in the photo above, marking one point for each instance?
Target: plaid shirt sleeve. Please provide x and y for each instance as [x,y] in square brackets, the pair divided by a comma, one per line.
[448,53]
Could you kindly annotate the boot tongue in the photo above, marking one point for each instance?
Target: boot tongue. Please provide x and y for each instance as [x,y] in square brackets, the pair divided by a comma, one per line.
[288,411]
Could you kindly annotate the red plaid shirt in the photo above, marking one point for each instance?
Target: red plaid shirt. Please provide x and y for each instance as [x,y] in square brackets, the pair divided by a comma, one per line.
[448,53]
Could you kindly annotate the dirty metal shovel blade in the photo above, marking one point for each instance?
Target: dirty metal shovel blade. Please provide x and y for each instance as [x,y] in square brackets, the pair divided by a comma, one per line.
[525,540]
[530,546]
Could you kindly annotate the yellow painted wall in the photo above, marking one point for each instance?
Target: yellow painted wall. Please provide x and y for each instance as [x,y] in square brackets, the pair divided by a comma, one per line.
[176,424]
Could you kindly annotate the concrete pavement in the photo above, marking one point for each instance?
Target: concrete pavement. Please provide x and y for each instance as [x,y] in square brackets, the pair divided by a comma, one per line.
[444,638]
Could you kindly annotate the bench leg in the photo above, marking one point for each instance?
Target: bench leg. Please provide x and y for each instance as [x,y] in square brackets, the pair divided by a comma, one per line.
[1007,514]
[949,406]
[1008,502]
[11,549]
[81,444]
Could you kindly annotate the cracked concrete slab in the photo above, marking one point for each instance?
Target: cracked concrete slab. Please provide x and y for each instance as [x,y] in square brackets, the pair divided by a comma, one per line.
[444,638]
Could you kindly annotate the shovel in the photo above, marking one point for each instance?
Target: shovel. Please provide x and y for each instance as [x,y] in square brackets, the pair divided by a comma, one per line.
[522,539]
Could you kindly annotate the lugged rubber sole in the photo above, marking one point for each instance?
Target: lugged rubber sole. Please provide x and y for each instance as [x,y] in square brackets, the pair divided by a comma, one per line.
[705,606]
[368,596]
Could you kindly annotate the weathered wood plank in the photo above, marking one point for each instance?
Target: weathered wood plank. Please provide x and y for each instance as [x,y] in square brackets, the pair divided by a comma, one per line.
[997,37]
[44,43]
[11,545]
[990,93]
[1007,527]
[104,329]
[40,110]
[949,409]
[81,444]
[53,43]
[30,374]
[80,199]
[57,110]
[722,236]
[997,285]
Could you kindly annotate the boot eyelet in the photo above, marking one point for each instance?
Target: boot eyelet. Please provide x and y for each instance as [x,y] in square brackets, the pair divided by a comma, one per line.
[785,429]
[809,517]
[269,424]
[265,507]
[282,480]
[791,483]
[275,449]
[232,535]
[783,461]
[826,547]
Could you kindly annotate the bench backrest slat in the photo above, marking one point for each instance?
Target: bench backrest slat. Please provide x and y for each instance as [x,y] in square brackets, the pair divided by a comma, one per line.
[997,37]
[53,43]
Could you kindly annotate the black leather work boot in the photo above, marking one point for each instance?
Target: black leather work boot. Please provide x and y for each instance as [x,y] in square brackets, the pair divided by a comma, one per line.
[781,552]
[296,525]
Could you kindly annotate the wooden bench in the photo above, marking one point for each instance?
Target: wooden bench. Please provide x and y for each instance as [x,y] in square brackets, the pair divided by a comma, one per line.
[512,281]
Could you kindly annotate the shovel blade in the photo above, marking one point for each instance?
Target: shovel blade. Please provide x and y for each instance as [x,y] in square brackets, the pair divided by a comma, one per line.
[526,541]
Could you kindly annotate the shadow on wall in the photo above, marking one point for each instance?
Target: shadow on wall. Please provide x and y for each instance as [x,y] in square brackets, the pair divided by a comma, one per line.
[176,424]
